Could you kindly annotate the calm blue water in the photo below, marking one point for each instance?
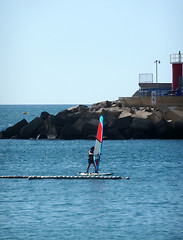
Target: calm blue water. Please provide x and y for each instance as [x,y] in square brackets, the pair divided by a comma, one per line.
[11,114]
[148,206]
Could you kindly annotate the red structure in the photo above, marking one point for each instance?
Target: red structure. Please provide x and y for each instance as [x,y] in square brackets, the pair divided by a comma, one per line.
[177,69]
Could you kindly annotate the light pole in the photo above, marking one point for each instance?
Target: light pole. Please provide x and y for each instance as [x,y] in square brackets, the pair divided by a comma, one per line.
[157,61]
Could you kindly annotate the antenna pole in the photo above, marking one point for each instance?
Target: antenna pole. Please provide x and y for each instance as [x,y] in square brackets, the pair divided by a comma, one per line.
[157,61]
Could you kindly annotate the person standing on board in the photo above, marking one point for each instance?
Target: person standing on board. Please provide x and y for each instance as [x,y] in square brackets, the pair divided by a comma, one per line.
[90,160]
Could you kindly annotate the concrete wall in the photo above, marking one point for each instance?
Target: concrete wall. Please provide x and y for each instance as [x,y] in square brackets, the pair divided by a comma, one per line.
[146,101]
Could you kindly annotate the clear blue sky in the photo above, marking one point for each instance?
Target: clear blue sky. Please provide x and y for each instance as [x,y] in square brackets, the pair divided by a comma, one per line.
[84,51]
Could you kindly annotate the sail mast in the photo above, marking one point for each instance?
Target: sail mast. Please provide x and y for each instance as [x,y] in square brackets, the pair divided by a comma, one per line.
[98,143]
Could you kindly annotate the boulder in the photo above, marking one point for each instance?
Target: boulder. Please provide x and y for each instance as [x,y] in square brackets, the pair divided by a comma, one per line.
[51,133]
[58,122]
[69,116]
[109,114]
[97,106]
[178,129]
[75,109]
[44,115]
[142,114]
[127,133]
[41,136]
[122,123]
[141,124]
[70,132]
[31,129]
[163,130]
[125,113]
[173,113]
[86,127]
[156,117]
[50,130]
[116,103]
[79,108]
[1,134]
[14,130]
[140,134]
[142,128]
[113,133]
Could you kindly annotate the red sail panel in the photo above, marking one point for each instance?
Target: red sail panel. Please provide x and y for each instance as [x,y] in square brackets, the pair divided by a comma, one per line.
[99,133]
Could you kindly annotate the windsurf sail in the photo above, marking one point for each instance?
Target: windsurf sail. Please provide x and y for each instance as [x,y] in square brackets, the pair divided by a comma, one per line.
[98,143]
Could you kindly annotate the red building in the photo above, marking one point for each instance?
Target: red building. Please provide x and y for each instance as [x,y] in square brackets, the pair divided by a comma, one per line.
[177,71]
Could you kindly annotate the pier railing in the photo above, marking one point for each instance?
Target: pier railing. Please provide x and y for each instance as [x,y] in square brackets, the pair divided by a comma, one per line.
[176,58]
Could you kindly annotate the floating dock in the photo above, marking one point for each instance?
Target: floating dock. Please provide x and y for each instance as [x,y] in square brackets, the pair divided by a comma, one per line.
[67,177]
[14,176]
[74,177]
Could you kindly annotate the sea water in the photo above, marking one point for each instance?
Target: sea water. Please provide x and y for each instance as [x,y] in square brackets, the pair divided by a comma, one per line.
[148,206]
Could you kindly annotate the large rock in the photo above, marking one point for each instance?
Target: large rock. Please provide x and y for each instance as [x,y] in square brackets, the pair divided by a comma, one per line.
[122,123]
[127,133]
[113,133]
[156,116]
[140,134]
[13,132]
[163,130]
[173,113]
[142,128]
[79,108]
[70,132]
[178,129]
[97,106]
[109,114]
[71,115]
[41,133]
[44,115]
[75,109]
[142,114]
[125,113]
[31,129]
[50,128]
[141,124]
[51,133]
[86,127]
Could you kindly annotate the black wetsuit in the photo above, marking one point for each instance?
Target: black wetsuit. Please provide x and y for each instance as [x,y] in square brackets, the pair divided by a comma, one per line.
[90,157]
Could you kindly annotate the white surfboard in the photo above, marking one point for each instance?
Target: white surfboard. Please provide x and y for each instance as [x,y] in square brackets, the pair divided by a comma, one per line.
[94,174]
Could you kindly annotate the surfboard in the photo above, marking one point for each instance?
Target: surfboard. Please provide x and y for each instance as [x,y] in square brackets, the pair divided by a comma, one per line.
[94,174]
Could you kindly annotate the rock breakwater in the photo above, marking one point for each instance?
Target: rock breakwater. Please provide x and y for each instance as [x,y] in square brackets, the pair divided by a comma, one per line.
[80,122]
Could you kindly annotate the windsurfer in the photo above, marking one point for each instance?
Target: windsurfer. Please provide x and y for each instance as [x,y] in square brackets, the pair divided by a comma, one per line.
[91,160]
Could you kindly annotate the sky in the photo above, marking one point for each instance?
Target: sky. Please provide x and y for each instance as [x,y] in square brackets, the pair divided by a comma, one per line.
[84,51]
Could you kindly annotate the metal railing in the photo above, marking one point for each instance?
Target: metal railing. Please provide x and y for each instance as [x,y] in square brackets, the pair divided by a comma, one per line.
[145,78]
[176,58]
